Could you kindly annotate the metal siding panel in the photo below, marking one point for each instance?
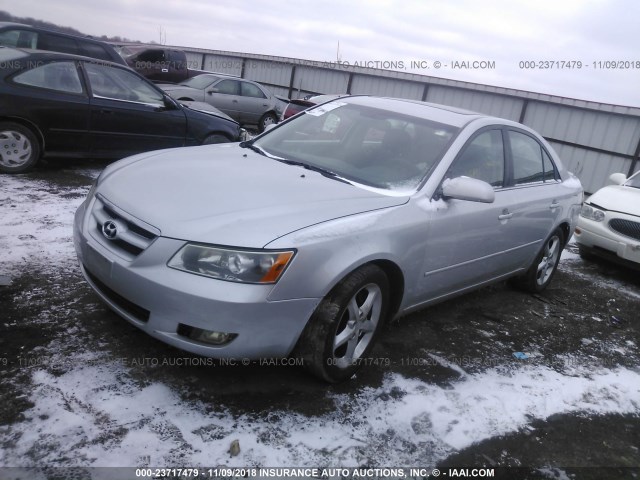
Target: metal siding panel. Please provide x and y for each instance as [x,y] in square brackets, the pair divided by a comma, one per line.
[487,103]
[592,168]
[223,64]
[273,73]
[194,60]
[369,85]
[594,129]
[310,79]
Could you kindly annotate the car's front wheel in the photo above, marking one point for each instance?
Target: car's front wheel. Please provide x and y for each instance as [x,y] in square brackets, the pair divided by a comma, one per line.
[19,148]
[343,329]
[545,265]
[267,119]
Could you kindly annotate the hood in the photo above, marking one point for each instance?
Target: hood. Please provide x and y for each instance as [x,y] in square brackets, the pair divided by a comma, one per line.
[206,108]
[618,198]
[170,87]
[228,195]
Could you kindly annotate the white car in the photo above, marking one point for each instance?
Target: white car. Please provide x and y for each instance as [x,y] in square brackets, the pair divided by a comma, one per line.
[609,222]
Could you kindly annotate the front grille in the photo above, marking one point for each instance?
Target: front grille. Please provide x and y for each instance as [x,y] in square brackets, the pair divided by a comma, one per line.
[626,227]
[133,236]
[128,306]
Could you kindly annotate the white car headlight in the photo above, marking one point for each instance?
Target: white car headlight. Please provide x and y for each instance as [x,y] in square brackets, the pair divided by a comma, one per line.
[591,213]
[261,266]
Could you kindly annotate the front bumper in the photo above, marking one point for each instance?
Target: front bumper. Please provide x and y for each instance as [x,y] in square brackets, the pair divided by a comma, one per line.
[158,299]
[599,239]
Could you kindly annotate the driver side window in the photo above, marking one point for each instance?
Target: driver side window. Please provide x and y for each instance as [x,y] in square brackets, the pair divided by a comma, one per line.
[119,84]
[482,159]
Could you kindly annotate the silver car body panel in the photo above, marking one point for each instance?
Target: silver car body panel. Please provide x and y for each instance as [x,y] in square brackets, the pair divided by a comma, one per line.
[230,196]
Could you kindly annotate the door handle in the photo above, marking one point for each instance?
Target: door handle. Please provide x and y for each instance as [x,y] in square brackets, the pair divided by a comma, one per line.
[554,205]
[506,215]
[234,101]
[106,111]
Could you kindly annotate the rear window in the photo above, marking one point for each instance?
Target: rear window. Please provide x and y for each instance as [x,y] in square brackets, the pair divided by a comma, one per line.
[58,43]
[95,50]
[18,38]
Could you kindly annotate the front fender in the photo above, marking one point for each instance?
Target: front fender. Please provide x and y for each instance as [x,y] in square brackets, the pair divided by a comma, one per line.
[329,251]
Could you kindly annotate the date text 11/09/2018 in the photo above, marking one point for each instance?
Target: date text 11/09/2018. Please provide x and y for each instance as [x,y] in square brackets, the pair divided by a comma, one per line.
[358,472]
[579,65]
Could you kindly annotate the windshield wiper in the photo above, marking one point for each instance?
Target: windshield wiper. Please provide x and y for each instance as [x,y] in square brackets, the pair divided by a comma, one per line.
[314,168]
[250,145]
[261,151]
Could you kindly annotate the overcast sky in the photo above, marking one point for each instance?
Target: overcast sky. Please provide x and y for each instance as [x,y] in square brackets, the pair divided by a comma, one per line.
[504,32]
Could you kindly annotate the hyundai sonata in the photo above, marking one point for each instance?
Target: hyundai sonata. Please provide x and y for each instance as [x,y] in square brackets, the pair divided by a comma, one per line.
[305,240]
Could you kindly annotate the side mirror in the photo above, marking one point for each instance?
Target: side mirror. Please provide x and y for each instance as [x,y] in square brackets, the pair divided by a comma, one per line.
[213,90]
[617,178]
[467,188]
[170,103]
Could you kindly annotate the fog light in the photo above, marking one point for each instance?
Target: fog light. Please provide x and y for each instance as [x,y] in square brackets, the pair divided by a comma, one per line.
[206,336]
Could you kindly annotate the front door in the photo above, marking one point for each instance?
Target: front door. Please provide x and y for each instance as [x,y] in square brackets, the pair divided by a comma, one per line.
[128,114]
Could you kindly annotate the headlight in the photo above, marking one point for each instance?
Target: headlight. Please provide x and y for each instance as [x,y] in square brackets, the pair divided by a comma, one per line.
[242,266]
[592,213]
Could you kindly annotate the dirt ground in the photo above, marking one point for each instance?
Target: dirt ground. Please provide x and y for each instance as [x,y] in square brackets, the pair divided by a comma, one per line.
[590,310]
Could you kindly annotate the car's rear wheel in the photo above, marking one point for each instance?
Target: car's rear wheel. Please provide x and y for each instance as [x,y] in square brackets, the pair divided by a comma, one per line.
[267,119]
[19,148]
[344,327]
[545,265]
[215,138]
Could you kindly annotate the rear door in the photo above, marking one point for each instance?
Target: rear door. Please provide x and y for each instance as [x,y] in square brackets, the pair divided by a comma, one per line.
[535,192]
[128,114]
[253,103]
[225,95]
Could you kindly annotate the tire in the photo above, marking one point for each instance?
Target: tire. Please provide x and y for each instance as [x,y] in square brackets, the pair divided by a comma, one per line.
[19,148]
[344,327]
[215,138]
[544,266]
[267,119]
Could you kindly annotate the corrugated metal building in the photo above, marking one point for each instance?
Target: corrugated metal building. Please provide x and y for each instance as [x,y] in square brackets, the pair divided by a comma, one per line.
[593,139]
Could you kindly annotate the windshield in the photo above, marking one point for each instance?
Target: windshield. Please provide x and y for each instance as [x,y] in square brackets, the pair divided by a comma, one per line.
[370,146]
[200,81]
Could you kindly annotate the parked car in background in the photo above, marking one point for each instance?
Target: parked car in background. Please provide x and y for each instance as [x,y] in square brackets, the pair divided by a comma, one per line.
[243,100]
[26,36]
[56,104]
[307,238]
[609,222]
[158,64]
[301,104]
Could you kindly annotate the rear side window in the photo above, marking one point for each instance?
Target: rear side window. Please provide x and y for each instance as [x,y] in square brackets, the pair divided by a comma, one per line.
[251,90]
[151,56]
[56,43]
[531,164]
[19,39]
[119,84]
[94,50]
[60,76]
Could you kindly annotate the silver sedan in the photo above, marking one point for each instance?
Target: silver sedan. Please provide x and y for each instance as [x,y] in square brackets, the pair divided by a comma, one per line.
[247,102]
[306,239]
